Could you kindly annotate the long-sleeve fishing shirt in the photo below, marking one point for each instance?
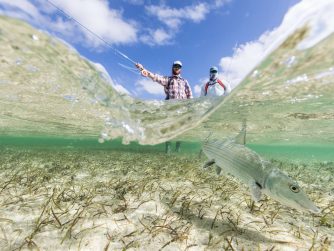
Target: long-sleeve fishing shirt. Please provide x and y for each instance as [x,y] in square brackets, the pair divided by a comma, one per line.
[175,86]
[214,89]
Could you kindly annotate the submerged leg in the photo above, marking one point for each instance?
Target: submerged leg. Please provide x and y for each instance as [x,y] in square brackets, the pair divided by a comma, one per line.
[208,163]
[241,137]
[168,147]
[178,146]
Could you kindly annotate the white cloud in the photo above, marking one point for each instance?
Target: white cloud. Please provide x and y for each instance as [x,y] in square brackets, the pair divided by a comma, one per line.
[219,3]
[105,75]
[173,17]
[197,90]
[147,85]
[29,8]
[246,56]
[106,22]
[94,14]
[98,17]
[244,59]
[121,89]
[156,37]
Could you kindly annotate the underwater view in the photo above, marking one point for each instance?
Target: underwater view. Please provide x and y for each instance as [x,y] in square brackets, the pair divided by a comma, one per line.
[83,167]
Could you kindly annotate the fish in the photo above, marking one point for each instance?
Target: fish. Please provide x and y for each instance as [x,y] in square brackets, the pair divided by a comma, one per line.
[232,156]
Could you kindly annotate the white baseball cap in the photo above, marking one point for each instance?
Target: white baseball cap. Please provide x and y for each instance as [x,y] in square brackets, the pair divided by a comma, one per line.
[213,69]
[177,62]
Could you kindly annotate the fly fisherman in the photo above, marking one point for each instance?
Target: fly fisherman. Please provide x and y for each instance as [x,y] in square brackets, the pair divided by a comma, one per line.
[175,87]
[215,87]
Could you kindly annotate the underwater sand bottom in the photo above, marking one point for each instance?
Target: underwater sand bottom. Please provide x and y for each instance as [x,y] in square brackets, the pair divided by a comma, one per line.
[113,200]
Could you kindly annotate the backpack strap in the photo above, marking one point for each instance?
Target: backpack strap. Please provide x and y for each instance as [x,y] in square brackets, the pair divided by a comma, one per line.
[221,84]
[218,81]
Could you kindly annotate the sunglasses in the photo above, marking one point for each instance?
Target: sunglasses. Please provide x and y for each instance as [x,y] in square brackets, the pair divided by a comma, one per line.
[213,71]
[177,66]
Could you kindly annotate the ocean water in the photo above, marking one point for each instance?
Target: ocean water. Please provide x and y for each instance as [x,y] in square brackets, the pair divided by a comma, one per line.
[83,167]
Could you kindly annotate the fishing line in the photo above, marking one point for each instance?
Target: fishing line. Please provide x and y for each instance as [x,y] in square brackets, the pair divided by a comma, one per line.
[91,32]
[131,69]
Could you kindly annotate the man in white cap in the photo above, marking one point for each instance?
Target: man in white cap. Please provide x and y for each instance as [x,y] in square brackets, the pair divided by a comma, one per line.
[175,87]
[215,86]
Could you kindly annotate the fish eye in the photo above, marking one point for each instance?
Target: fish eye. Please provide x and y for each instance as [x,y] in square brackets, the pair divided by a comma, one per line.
[294,188]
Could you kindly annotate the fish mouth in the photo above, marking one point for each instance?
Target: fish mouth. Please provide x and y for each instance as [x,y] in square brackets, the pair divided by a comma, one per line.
[311,207]
[315,210]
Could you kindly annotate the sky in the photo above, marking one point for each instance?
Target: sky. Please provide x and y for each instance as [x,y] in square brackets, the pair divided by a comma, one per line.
[234,35]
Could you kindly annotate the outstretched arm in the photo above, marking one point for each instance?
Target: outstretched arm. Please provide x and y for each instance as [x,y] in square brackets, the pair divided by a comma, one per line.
[144,72]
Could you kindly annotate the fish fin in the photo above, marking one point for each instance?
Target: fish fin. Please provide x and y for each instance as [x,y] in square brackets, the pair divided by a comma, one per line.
[208,163]
[241,137]
[255,189]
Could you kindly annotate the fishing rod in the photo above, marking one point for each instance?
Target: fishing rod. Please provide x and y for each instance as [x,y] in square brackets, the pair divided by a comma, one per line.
[93,33]
[131,69]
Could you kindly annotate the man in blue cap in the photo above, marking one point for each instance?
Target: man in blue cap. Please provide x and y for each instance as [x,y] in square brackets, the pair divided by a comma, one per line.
[175,87]
[215,87]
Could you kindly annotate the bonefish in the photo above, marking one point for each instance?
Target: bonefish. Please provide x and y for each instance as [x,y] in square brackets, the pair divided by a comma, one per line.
[233,157]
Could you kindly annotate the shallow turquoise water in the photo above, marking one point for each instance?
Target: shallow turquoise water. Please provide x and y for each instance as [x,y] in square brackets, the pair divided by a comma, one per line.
[296,152]
[282,152]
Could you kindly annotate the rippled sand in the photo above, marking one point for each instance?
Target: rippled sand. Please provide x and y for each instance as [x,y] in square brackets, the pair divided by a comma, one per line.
[114,200]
